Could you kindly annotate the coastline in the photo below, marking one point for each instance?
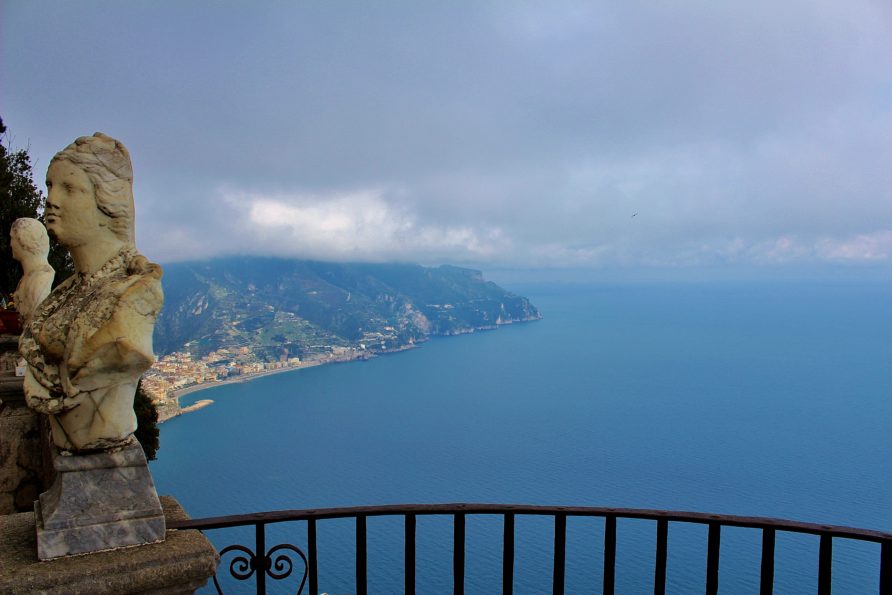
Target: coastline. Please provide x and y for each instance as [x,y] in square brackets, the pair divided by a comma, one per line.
[177,394]
[241,378]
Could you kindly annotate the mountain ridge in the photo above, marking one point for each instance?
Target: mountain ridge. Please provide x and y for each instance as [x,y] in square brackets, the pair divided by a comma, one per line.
[287,307]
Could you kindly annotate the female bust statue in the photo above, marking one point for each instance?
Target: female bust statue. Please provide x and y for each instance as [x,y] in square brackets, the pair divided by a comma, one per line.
[91,339]
[30,246]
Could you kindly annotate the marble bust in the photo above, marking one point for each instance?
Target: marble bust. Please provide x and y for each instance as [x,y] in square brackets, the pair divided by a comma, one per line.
[30,246]
[90,340]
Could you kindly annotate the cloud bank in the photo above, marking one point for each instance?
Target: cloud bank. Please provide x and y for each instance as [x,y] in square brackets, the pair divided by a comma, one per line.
[572,134]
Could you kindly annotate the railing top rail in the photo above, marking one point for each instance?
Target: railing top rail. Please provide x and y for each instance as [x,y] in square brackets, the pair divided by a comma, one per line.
[280,516]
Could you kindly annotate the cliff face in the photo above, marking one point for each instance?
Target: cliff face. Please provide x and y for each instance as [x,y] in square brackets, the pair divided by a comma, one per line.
[289,307]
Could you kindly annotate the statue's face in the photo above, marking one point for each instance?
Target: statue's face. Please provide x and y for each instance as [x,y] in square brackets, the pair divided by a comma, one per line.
[71,213]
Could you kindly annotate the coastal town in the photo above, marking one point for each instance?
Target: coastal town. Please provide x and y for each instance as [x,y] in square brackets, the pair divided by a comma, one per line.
[233,319]
[180,373]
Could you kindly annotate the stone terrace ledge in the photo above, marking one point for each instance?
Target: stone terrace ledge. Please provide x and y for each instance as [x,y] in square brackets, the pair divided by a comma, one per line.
[182,563]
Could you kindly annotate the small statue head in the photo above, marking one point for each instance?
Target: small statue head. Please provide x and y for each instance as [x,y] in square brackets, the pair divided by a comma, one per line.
[29,240]
[93,169]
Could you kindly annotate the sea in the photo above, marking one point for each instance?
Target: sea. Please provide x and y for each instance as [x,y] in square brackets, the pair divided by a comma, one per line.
[748,398]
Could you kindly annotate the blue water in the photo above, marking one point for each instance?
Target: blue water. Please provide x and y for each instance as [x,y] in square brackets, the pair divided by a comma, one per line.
[739,398]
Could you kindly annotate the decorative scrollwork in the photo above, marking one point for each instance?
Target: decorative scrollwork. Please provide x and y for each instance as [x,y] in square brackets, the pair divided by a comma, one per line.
[243,567]
[283,565]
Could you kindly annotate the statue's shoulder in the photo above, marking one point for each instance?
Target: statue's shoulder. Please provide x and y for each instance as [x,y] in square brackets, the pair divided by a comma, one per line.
[142,285]
[140,266]
[133,287]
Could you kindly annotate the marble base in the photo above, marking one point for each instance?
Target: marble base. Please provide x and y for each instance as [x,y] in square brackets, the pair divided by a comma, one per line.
[180,564]
[98,502]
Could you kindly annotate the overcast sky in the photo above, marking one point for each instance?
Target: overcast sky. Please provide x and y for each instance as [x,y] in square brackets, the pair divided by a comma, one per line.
[493,134]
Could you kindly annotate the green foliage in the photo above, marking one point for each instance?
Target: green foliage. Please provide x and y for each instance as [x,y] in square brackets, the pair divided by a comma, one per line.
[60,259]
[146,422]
[19,197]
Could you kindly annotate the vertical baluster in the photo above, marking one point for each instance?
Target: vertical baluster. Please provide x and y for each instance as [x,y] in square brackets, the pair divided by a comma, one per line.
[458,554]
[766,578]
[260,557]
[560,553]
[508,555]
[660,566]
[609,554]
[825,565]
[361,559]
[410,555]
[886,568]
[311,544]
[712,558]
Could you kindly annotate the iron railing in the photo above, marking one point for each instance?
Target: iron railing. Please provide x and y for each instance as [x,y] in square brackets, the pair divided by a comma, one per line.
[275,562]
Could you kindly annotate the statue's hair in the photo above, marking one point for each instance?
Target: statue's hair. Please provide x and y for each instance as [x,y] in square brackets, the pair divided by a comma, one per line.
[107,163]
[31,236]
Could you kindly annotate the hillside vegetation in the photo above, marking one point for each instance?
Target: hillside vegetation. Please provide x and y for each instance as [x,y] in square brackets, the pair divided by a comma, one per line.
[290,307]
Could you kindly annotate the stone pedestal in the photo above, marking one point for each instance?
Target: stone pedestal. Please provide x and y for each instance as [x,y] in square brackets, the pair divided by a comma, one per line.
[182,563]
[21,449]
[98,502]
[23,470]
[9,351]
